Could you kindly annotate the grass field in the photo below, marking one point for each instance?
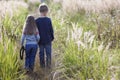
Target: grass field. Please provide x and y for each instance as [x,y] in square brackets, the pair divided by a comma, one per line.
[87,38]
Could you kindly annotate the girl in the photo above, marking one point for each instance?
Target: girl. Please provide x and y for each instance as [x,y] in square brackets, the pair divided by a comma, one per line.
[31,37]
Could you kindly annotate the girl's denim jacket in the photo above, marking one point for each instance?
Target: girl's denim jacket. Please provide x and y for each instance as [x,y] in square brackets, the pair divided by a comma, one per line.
[30,39]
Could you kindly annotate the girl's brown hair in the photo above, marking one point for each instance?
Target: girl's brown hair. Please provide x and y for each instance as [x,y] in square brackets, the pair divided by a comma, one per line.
[30,26]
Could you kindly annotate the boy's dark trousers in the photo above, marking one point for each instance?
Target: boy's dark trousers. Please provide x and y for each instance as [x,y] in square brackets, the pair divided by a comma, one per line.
[46,48]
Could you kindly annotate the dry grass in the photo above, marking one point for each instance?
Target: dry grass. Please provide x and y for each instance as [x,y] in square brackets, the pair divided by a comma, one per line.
[83,50]
[84,39]
[90,5]
[10,7]
[12,17]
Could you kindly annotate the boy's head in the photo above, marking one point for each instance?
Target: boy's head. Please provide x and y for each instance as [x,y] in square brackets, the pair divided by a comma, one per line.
[43,8]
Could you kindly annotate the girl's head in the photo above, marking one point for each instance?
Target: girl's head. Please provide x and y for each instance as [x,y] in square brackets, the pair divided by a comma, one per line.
[30,26]
[43,8]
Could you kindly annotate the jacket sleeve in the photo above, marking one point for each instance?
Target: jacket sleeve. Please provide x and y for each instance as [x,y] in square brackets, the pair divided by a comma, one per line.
[37,37]
[22,39]
[51,30]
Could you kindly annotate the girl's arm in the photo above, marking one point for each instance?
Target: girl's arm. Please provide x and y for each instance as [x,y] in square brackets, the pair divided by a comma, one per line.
[22,39]
[37,36]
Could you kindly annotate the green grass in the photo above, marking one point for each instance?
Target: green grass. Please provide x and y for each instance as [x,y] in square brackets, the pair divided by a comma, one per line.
[9,63]
[93,58]
[12,26]
[86,63]
[94,61]
[11,29]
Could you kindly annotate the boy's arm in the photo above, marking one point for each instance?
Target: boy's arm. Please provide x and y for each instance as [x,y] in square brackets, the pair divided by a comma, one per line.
[36,23]
[51,30]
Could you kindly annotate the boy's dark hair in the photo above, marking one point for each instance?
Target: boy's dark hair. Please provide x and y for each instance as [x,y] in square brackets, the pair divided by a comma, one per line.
[43,8]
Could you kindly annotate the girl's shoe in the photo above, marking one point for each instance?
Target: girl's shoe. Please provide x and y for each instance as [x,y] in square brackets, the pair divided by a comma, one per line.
[27,71]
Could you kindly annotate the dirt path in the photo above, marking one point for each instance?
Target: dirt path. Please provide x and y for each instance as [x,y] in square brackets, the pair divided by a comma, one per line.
[41,74]
[45,74]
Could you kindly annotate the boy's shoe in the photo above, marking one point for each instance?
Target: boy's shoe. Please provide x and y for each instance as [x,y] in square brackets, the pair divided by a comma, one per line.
[49,67]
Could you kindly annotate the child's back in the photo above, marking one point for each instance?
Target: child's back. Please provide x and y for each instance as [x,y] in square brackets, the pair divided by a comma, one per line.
[45,29]
[30,37]
[46,33]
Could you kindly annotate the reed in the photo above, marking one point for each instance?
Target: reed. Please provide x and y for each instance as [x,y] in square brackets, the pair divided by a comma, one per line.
[90,5]
[12,17]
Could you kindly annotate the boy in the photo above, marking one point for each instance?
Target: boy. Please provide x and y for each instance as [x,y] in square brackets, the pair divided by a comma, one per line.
[46,33]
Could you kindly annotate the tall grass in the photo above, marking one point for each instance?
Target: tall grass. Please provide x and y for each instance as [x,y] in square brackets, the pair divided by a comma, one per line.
[100,16]
[85,64]
[12,18]
[87,39]
[11,22]
[9,63]
[90,5]
[85,58]
[91,50]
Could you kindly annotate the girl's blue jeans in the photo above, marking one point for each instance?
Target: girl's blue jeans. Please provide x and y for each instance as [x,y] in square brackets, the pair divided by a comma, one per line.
[31,50]
[45,49]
